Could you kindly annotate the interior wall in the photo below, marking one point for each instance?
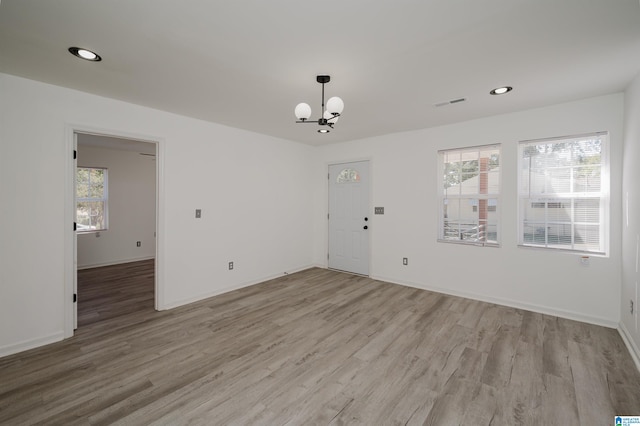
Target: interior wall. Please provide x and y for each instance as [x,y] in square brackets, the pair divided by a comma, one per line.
[253,191]
[131,208]
[257,194]
[404,182]
[631,217]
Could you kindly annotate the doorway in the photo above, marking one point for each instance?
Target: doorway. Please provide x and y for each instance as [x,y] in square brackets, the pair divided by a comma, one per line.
[115,208]
[349,219]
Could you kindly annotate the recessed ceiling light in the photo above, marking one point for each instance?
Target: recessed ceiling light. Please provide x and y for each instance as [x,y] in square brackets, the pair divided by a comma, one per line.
[501,90]
[85,54]
[323,131]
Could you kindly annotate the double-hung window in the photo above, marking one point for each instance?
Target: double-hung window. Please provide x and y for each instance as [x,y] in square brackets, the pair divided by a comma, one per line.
[91,199]
[469,195]
[563,193]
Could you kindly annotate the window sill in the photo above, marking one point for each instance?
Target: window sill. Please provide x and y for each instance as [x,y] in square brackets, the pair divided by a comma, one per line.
[565,251]
[470,243]
[91,231]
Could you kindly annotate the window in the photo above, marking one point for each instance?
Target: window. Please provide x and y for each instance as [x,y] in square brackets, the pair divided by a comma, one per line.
[91,199]
[563,193]
[469,192]
[348,176]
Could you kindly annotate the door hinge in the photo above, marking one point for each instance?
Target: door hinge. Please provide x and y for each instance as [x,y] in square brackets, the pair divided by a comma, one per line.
[328,176]
[75,154]
[75,297]
[75,226]
[328,216]
[327,256]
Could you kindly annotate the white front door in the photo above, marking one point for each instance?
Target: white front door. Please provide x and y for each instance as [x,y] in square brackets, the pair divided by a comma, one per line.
[349,220]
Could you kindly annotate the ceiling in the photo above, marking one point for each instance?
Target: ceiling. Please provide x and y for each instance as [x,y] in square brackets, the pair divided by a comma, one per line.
[247,63]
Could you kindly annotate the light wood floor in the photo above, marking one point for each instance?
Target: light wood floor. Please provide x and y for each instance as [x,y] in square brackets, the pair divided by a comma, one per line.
[317,347]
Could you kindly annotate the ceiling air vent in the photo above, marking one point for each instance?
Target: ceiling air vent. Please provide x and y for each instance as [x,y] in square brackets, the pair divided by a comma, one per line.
[451,102]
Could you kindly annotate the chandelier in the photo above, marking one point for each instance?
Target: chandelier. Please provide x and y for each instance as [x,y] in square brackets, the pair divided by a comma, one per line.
[330,115]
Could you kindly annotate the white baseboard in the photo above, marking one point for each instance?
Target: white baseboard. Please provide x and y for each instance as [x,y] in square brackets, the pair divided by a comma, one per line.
[231,288]
[25,345]
[576,316]
[115,262]
[631,345]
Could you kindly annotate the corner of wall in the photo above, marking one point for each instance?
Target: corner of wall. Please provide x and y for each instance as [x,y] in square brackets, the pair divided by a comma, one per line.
[631,345]
[630,193]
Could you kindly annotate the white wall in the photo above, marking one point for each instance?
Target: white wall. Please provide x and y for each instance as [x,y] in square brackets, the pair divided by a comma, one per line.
[631,217]
[131,208]
[253,191]
[257,194]
[403,169]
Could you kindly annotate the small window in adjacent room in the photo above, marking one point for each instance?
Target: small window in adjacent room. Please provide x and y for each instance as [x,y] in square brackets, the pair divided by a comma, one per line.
[91,199]
[564,193]
[469,195]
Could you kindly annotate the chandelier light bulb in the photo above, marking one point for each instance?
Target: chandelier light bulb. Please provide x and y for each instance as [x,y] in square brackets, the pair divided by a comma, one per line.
[332,119]
[335,105]
[303,111]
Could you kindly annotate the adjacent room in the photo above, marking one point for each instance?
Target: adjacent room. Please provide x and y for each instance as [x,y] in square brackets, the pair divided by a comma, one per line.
[409,212]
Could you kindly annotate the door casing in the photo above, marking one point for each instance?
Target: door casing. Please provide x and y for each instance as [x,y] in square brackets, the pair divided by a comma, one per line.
[361,268]
[70,243]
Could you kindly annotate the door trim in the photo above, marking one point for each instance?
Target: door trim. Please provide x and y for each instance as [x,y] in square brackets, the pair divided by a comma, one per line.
[69,209]
[328,164]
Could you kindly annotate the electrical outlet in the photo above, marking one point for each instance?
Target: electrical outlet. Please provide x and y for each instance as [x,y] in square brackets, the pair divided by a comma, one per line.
[631,306]
[138,243]
[405,261]
[230,265]
[378,210]
[198,213]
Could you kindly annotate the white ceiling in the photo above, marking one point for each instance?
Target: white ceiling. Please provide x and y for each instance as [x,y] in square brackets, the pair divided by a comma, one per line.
[248,63]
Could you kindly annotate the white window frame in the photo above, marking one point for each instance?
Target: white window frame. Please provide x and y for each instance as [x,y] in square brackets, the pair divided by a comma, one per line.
[104,199]
[526,196]
[471,198]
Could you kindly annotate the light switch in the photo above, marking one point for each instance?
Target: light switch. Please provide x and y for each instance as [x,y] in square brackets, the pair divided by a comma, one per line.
[198,213]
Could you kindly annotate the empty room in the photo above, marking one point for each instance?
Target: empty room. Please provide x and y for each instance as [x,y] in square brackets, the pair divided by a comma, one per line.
[270,213]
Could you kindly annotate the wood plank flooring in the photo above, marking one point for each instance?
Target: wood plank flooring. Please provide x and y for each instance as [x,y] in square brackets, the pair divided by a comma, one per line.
[318,347]
[113,291]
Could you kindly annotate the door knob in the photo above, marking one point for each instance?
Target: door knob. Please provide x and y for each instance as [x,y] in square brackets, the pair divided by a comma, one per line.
[366,227]
[366,219]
